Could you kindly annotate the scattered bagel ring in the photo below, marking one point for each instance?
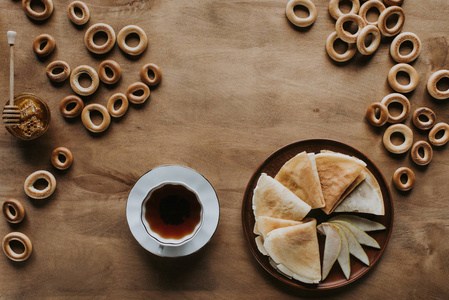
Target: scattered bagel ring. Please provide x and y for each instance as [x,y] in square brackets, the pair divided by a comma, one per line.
[347,36]
[90,34]
[409,179]
[432,87]
[361,38]
[73,112]
[395,85]
[87,121]
[393,2]
[135,87]
[85,14]
[55,66]
[75,84]
[67,158]
[396,45]
[13,210]
[406,132]
[428,114]
[403,101]
[371,114]
[297,21]
[121,110]
[125,32]
[21,238]
[43,45]
[347,55]
[416,156]
[38,16]
[363,11]
[34,193]
[335,11]
[154,78]
[382,22]
[435,130]
[112,66]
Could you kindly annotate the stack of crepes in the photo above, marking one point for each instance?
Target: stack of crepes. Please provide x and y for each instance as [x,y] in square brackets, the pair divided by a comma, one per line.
[329,181]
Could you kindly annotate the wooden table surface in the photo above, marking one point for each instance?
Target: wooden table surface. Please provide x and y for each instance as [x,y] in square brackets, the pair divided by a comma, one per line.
[239,82]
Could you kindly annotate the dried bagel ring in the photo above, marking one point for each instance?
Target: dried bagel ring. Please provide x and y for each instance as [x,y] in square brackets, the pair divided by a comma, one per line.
[339,57]
[405,131]
[362,36]
[429,118]
[113,67]
[71,112]
[125,32]
[403,101]
[121,110]
[444,127]
[38,16]
[33,192]
[396,45]
[409,177]
[75,84]
[43,45]
[401,88]
[61,158]
[21,238]
[363,11]
[152,78]
[427,153]
[87,121]
[297,21]
[85,14]
[134,88]
[382,22]
[335,11]
[13,210]
[89,38]
[371,114]
[393,2]
[55,66]
[432,83]
[347,36]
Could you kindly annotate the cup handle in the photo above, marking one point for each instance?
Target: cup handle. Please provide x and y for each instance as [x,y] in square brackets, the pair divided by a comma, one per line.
[161,249]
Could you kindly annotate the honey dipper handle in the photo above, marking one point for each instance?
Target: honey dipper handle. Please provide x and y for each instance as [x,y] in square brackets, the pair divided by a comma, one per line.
[11,39]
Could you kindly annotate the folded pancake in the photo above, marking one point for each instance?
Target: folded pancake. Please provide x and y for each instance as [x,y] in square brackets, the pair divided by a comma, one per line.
[366,198]
[300,177]
[266,224]
[337,172]
[295,251]
[272,199]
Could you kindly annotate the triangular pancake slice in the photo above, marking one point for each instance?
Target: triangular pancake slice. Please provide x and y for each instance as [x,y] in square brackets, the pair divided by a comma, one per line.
[295,251]
[298,175]
[264,225]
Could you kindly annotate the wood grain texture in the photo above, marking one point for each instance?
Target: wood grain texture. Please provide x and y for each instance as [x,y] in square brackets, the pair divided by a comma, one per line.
[238,83]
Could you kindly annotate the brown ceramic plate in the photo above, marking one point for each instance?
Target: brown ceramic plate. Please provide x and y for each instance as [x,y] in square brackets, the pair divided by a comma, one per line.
[335,279]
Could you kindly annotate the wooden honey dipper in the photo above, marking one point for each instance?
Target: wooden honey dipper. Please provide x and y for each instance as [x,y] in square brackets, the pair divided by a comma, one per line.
[11,112]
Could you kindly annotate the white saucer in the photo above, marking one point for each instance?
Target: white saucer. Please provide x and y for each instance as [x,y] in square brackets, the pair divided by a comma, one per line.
[190,178]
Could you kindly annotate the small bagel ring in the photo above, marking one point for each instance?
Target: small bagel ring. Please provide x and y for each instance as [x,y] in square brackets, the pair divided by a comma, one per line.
[75,84]
[426,124]
[85,118]
[432,85]
[21,238]
[403,101]
[393,2]
[13,210]
[363,11]
[89,38]
[361,46]
[395,85]
[138,86]
[43,45]
[57,162]
[125,32]
[409,182]
[117,113]
[114,67]
[344,35]
[349,53]
[408,138]
[74,112]
[382,22]
[371,114]
[34,193]
[38,16]
[396,45]
[443,139]
[416,156]
[85,14]
[297,21]
[156,74]
[335,11]
[58,65]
